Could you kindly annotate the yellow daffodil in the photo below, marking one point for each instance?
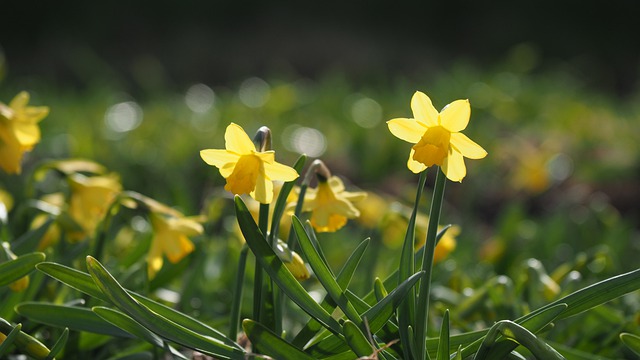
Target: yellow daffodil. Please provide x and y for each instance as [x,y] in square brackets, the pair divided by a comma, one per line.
[90,200]
[247,170]
[297,267]
[331,205]
[437,136]
[171,238]
[19,131]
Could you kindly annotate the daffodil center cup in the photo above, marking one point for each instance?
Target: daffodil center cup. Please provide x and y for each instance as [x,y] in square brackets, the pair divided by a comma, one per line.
[243,178]
[433,147]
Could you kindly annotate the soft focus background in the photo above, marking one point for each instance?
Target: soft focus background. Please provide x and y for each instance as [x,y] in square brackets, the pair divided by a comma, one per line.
[142,86]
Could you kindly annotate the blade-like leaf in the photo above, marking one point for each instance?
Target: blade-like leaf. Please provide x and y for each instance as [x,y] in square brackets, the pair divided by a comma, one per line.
[343,279]
[512,331]
[631,341]
[594,295]
[83,282]
[281,202]
[356,339]
[15,269]
[30,240]
[74,317]
[154,321]
[377,316]
[9,339]
[25,342]
[443,344]
[279,273]
[324,274]
[59,345]
[73,278]
[271,344]
[127,324]
[532,324]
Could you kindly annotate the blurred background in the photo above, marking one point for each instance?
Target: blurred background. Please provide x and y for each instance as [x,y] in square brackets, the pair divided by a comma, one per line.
[142,86]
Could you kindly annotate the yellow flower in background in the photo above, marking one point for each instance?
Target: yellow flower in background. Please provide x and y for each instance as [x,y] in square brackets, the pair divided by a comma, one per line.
[395,225]
[19,131]
[437,136]
[247,170]
[90,200]
[297,267]
[331,205]
[171,238]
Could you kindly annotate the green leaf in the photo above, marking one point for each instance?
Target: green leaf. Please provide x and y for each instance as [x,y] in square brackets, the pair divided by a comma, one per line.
[130,326]
[271,344]
[594,295]
[154,321]
[379,290]
[512,331]
[343,279]
[281,202]
[59,345]
[443,344]
[533,324]
[279,273]
[323,273]
[406,310]
[73,278]
[356,339]
[30,240]
[25,342]
[83,282]
[377,316]
[15,269]
[74,317]
[631,341]
[10,338]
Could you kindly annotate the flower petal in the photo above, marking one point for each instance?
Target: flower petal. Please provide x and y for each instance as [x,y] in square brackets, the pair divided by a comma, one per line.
[455,116]
[278,171]
[408,130]
[263,192]
[415,166]
[218,157]
[237,140]
[453,166]
[423,110]
[467,147]
[20,100]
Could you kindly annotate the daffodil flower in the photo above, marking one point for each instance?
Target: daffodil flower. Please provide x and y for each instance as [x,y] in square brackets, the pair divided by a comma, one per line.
[247,170]
[19,131]
[331,205]
[90,200]
[171,238]
[437,136]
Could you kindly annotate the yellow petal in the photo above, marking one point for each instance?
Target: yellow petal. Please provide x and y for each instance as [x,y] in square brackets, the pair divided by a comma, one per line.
[36,113]
[178,248]
[423,110]
[218,158]
[263,192]
[408,130]
[467,147]
[237,140]
[154,259]
[20,100]
[453,166]
[415,166]
[455,116]
[278,171]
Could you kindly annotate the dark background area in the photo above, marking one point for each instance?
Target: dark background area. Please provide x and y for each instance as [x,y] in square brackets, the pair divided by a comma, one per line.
[171,43]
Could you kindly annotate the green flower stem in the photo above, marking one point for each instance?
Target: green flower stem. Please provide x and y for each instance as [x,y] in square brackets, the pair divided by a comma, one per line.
[263,223]
[406,310]
[237,294]
[422,307]
[101,236]
[291,242]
